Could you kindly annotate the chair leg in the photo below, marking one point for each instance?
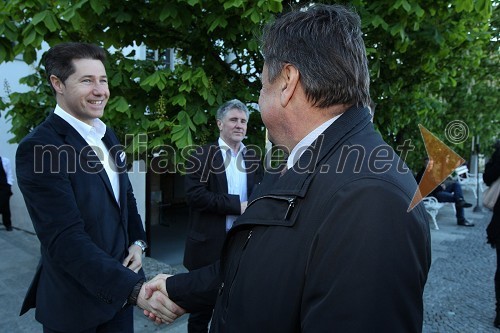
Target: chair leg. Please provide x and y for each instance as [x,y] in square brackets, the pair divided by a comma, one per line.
[435,223]
[433,217]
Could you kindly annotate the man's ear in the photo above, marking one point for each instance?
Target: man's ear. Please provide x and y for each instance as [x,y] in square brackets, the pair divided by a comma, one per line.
[56,83]
[289,82]
[219,124]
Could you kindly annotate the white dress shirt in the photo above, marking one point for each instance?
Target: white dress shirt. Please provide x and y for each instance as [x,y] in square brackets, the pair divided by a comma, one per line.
[8,170]
[303,144]
[236,176]
[93,135]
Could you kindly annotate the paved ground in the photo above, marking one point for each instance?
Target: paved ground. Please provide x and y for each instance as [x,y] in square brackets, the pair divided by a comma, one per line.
[458,298]
[19,259]
[459,295]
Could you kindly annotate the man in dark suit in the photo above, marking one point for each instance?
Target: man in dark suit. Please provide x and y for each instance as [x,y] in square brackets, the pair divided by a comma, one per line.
[72,173]
[219,179]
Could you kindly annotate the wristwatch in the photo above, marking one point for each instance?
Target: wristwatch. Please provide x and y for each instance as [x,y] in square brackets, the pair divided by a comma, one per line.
[142,244]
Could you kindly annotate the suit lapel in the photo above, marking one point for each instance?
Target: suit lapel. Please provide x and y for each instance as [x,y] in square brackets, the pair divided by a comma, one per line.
[87,158]
[219,169]
[117,157]
[249,165]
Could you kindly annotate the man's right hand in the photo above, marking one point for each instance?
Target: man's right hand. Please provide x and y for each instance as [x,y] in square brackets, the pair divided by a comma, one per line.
[153,299]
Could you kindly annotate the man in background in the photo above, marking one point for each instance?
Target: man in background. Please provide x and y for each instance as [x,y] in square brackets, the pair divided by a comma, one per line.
[219,179]
[448,191]
[6,181]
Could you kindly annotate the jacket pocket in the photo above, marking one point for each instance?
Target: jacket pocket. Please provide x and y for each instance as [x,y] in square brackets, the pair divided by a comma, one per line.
[280,210]
[197,237]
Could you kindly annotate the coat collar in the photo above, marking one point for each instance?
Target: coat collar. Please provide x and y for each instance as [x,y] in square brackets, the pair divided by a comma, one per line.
[296,180]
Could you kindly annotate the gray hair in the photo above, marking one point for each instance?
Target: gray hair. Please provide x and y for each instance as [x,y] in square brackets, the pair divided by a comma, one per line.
[229,105]
[325,44]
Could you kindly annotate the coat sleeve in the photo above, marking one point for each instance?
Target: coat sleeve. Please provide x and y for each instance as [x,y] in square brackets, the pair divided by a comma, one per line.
[492,168]
[196,290]
[202,192]
[368,263]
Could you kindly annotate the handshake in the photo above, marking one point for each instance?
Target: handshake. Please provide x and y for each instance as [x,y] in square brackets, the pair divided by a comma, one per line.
[153,299]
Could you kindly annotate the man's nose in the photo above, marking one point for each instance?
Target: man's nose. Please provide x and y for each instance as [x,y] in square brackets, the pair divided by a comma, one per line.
[99,89]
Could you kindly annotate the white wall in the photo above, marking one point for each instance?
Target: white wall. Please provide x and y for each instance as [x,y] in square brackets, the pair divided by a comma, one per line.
[10,73]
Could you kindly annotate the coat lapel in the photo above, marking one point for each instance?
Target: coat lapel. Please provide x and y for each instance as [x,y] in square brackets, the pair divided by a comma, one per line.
[296,180]
[87,158]
[118,157]
[219,169]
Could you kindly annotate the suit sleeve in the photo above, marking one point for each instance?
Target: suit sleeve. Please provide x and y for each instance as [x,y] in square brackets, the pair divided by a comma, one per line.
[368,264]
[200,172]
[50,199]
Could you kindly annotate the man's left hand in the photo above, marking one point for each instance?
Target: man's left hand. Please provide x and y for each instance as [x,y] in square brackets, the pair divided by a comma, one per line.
[134,258]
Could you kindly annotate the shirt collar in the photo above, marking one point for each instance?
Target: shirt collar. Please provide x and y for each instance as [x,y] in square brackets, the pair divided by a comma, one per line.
[82,128]
[225,147]
[299,149]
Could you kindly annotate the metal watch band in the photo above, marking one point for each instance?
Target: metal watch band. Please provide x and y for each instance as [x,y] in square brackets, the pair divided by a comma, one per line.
[142,244]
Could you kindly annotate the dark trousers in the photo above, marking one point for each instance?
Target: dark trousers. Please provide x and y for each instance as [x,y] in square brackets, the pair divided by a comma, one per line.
[497,279]
[452,193]
[5,208]
[198,321]
[123,322]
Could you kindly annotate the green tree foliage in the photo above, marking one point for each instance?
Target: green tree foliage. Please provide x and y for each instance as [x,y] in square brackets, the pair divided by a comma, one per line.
[431,62]
[217,59]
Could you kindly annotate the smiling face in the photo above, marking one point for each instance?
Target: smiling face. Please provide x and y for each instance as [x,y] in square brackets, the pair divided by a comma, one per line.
[233,127]
[85,93]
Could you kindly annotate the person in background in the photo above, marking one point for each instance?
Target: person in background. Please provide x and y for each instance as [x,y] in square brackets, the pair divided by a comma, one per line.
[6,181]
[329,245]
[219,179]
[72,173]
[491,174]
[448,191]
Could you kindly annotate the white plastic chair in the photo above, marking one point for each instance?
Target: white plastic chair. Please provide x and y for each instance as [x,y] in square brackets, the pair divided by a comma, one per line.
[466,179]
[432,206]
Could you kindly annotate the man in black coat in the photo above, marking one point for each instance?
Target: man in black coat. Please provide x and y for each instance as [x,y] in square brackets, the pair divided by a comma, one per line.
[219,179]
[490,175]
[329,245]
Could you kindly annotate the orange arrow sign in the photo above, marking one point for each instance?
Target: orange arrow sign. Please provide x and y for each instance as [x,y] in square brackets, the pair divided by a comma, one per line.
[442,162]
